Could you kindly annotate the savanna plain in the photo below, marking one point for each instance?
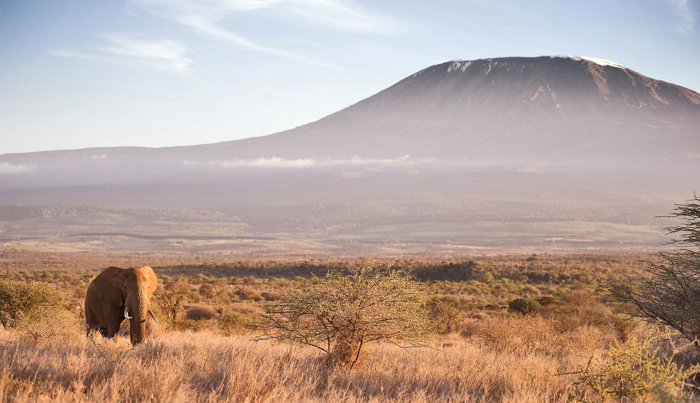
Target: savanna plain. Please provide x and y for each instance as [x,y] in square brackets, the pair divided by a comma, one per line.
[498,328]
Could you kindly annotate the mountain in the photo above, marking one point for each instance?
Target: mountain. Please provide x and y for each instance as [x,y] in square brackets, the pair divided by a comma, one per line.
[503,109]
[544,151]
[512,110]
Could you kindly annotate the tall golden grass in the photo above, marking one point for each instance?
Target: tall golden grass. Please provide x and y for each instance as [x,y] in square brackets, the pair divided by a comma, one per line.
[501,360]
[498,359]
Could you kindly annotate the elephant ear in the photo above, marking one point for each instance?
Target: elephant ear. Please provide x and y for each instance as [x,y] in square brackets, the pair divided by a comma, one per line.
[151,280]
[108,285]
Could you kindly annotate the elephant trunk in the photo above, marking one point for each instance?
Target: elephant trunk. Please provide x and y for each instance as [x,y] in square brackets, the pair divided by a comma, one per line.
[138,321]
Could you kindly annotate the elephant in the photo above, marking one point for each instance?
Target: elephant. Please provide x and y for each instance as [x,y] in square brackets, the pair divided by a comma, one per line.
[117,293]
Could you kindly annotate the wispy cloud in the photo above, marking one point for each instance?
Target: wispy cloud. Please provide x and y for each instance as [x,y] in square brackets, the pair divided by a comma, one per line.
[211,29]
[207,18]
[166,54]
[277,162]
[687,18]
[76,55]
[336,14]
[274,162]
[158,54]
[95,157]
[7,168]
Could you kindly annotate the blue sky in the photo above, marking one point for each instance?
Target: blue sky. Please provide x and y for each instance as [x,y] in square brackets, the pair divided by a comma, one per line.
[155,73]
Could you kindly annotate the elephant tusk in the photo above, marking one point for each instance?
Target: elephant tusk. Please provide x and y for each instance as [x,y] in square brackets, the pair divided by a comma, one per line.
[126,313]
[153,315]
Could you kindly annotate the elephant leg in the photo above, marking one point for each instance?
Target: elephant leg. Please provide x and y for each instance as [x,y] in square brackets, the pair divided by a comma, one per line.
[91,320]
[113,321]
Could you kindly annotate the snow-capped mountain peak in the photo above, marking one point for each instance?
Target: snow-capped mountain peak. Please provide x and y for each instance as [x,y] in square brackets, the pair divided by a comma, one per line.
[598,61]
[487,65]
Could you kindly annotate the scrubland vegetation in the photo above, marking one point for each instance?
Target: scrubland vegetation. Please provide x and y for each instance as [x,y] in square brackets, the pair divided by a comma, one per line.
[565,340]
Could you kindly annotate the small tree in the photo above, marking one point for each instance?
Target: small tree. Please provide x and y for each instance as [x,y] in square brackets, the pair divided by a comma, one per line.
[445,312]
[671,294]
[340,313]
[171,296]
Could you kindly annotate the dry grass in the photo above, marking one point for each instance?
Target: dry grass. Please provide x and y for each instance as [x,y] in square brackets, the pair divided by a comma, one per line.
[523,336]
[506,358]
[186,367]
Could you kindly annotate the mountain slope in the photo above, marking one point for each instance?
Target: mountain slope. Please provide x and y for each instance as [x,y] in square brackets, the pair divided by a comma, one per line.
[502,109]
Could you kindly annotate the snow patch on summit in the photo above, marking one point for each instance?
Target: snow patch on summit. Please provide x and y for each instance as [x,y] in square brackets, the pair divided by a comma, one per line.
[459,65]
[600,62]
[506,63]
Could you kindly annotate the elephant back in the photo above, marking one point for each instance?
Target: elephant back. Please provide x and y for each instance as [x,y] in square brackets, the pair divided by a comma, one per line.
[106,287]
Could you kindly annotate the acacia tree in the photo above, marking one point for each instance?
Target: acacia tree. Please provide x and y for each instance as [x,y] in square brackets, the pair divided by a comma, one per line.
[171,296]
[671,293]
[341,312]
[445,312]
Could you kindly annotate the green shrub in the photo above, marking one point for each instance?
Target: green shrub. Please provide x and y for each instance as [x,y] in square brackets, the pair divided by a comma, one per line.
[18,299]
[633,371]
[526,306]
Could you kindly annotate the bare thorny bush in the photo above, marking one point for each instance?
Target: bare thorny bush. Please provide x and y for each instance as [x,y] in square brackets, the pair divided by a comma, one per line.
[171,296]
[342,312]
[671,292]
